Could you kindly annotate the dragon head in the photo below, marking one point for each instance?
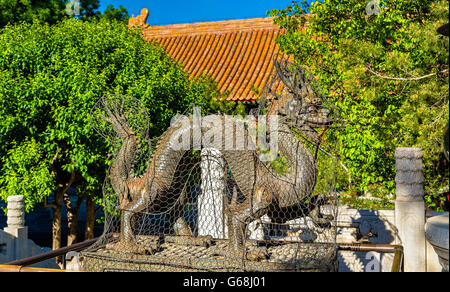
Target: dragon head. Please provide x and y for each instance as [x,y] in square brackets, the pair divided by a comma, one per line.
[300,100]
[299,104]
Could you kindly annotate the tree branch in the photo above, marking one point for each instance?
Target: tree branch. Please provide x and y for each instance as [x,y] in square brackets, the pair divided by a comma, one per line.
[56,156]
[52,165]
[70,182]
[68,203]
[440,115]
[403,79]
[46,204]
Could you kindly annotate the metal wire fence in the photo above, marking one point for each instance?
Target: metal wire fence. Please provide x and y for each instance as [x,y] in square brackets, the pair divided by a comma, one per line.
[221,193]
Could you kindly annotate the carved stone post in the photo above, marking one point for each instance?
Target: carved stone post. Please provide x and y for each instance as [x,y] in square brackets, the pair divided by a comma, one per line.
[16,225]
[410,207]
[211,219]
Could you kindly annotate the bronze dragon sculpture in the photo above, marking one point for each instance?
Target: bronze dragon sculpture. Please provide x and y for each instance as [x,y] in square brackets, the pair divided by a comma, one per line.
[280,196]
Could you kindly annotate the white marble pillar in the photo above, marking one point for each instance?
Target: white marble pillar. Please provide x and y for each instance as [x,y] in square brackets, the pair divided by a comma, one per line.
[16,225]
[211,217]
[410,207]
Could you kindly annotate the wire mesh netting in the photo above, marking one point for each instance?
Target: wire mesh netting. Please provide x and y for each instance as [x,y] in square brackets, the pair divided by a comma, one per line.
[221,193]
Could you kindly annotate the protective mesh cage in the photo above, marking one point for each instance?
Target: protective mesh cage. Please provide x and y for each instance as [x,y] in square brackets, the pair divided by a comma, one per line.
[221,193]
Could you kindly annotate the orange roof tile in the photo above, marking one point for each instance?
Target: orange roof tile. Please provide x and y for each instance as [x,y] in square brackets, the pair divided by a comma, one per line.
[237,54]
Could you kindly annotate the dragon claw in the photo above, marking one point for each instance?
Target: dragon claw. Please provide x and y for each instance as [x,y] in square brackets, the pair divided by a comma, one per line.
[254,254]
[257,254]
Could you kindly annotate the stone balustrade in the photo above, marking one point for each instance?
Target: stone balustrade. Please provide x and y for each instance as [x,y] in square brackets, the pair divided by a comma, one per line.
[14,240]
[410,207]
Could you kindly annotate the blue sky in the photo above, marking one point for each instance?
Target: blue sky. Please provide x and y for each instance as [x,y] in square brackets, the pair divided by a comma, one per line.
[177,11]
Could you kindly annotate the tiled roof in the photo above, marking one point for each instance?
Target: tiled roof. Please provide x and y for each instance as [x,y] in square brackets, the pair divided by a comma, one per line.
[237,54]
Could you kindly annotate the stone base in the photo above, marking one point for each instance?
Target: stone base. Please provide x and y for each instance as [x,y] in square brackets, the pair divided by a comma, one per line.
[180,258]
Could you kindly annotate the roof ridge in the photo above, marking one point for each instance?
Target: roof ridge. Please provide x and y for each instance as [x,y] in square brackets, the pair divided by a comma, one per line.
[213,27]
[267,19]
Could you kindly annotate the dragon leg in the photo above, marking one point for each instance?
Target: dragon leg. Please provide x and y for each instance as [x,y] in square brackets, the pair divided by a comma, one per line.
[316,216]
[129,217]
[240,216]
[182,230]
[127,223]
[177,221]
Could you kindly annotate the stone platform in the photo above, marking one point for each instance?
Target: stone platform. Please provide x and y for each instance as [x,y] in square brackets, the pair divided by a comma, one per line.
[172,257]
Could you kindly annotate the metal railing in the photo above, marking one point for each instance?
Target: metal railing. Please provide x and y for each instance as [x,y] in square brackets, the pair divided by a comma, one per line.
[14,268]
[397,250]
[21,265]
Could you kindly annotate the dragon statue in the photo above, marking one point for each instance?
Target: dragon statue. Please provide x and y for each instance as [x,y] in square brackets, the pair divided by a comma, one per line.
[280,196]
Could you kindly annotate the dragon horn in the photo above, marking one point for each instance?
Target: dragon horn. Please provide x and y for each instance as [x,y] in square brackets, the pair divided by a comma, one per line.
[283,77]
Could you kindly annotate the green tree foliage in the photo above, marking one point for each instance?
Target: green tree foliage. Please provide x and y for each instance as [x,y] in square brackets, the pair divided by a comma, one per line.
[25,172]
[12,11]
[217,103]
[89,11]
[50,78]
[386,68]
[52,11]
[119,14]
[89,8]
